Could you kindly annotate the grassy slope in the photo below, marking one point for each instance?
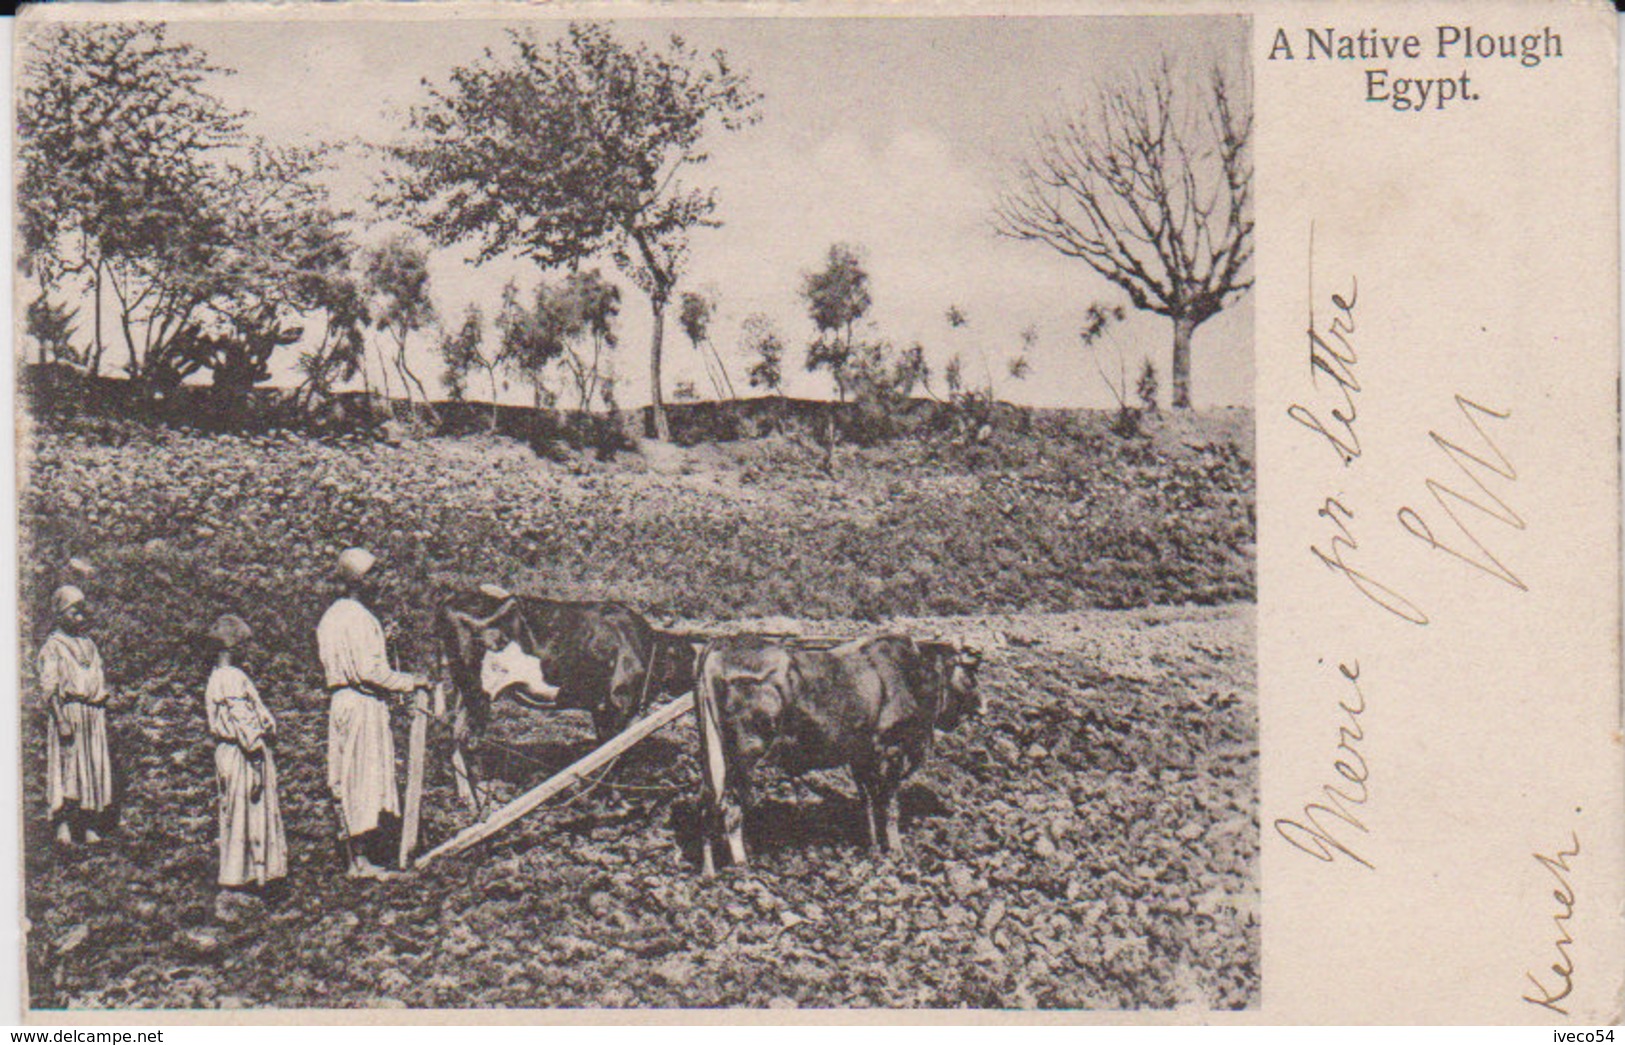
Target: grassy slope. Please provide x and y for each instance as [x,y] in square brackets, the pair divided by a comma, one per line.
[1136,740]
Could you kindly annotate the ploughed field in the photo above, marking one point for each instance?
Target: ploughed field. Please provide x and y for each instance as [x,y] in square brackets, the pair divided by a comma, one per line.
[1090,842]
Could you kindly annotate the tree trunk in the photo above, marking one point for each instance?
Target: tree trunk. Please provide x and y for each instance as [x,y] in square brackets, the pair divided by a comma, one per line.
[657,402]
[96,353]
[383,373]
[408,375]
[1184,327]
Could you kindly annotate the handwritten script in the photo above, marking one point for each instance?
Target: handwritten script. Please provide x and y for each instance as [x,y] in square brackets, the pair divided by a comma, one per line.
[1466,499]
[1563,968]
[1469,512]
[1475,467]
[1327,839]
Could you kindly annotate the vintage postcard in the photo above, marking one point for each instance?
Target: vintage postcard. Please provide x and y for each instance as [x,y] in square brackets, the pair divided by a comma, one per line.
[1049,511]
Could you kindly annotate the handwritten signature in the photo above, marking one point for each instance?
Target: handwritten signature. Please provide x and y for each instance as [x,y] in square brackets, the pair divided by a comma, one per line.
[1310,834]
[1563,968]
[1492,461]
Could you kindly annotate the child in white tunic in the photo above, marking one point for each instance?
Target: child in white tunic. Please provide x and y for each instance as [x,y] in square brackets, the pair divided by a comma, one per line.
[253,848]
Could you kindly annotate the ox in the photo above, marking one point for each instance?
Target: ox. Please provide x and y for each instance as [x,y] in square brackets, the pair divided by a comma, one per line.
[871,705]
[599,657]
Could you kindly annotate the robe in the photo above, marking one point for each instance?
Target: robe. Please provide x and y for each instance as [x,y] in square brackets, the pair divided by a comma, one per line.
[253,847]
[360,747]
[79,769]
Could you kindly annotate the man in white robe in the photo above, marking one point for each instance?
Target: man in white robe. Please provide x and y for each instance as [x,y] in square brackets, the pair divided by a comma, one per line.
[79,766]
[360,747]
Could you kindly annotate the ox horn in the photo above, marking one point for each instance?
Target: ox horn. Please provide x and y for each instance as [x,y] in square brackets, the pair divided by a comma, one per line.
[481,623]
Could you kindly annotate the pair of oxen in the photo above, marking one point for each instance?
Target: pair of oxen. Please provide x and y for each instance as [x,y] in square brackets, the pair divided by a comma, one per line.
[871,704]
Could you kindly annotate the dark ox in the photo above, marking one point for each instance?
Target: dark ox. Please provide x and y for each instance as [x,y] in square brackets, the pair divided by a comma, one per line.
[871,705]
[603,657]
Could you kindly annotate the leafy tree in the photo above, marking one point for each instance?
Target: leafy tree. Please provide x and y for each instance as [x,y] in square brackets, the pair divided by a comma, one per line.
[270,259]
[340,355]
[1153,190]
[837,296]
[1147,387]
[52,327]
[761,342]
[140,191]
[571,323]
[397,279]
[531,341]
[115,134]
[559,150]
[587,306]
[463,353]
[695,318]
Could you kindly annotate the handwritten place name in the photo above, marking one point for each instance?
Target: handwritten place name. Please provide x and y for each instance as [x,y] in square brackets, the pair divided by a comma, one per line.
[1563,968]
[1320,838]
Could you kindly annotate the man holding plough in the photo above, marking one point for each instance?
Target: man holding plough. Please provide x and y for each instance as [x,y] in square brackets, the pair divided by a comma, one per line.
[361,683]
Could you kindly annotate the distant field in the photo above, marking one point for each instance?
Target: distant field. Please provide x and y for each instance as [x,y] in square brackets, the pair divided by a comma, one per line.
[1092,842]
[1064,516]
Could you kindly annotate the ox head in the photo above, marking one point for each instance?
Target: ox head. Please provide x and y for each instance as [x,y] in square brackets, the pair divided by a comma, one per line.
[955,664]
[490,659]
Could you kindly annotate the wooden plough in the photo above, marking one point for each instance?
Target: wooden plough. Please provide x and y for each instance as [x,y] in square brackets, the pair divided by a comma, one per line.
[525,803]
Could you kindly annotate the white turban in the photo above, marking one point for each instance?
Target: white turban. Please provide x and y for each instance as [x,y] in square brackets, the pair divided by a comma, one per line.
[355,562]
[66,597]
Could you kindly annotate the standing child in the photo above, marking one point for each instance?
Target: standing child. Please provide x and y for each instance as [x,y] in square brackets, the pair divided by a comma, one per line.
[253,850]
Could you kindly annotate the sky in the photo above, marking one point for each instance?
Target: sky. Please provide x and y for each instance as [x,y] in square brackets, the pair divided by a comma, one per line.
[890,134]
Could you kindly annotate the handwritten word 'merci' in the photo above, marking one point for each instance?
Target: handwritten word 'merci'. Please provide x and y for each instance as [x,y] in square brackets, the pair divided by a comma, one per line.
[1563,968]
[1487,461]
[1320,838]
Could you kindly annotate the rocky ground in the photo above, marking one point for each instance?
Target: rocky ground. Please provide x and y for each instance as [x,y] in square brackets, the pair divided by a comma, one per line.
[1090,842]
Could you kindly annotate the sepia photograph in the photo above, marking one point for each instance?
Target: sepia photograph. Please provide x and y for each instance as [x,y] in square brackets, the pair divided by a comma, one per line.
[532,512]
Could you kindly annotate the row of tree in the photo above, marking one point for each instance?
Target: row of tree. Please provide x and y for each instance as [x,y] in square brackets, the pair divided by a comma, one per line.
[202,250]
[559,341]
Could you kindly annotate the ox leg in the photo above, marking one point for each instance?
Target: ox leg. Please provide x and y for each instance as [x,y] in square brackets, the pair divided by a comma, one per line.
[713,779]
[468,785]
[708,862]
[867,792]
[733,822]
[467,789]
[886,815]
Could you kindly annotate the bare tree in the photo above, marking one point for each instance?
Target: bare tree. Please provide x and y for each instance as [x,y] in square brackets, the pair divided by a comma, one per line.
[1153,189]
